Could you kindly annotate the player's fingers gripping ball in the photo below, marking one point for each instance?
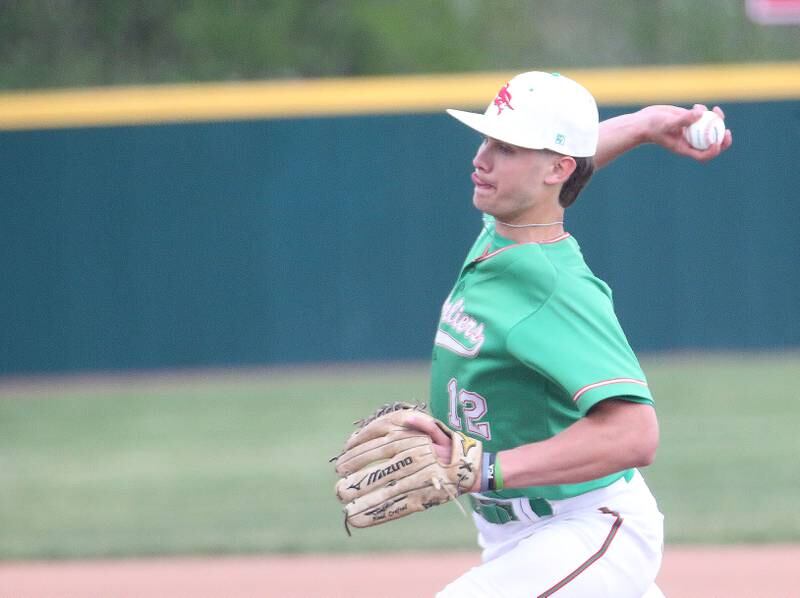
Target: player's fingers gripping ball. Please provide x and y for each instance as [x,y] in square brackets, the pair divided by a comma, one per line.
[389,469]
[707,131]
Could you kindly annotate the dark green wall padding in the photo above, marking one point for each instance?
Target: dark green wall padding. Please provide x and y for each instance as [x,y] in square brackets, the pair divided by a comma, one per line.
[336,239]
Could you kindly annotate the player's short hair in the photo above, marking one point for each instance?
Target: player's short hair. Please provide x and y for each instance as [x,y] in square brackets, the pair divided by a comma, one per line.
[584,169]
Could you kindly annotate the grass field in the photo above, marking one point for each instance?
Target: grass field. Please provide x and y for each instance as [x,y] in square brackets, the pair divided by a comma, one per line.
[237,462]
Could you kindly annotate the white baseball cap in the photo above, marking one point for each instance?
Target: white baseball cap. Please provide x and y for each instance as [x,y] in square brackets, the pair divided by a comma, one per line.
[539,110]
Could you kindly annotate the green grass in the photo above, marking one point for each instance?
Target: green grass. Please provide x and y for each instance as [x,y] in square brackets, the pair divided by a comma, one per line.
[239,463]
[728,469]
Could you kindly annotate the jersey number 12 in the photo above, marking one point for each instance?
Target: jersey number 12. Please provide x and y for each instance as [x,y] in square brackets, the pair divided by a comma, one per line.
[473,408]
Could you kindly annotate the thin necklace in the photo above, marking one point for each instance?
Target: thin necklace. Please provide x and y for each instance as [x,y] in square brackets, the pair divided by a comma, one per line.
[527,225]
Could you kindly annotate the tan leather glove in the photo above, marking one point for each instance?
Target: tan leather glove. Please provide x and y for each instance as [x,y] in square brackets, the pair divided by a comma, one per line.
[390,470]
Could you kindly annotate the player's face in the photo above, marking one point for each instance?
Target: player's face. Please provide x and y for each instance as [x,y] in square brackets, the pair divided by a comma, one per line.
[510,180]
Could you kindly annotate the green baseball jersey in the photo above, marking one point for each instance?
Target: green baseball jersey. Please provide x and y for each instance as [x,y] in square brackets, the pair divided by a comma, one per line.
[527,343]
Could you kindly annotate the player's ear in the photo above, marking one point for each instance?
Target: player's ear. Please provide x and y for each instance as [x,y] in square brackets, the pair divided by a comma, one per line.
[561,168]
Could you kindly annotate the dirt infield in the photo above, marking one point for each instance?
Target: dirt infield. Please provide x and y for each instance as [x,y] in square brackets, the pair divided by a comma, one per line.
[696,572]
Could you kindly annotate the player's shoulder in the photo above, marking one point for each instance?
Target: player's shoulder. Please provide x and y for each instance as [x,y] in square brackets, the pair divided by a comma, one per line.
[562,265]
[550,257]
[524,267]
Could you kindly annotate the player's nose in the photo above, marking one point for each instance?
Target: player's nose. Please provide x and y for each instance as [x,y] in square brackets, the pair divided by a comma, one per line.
[481,160]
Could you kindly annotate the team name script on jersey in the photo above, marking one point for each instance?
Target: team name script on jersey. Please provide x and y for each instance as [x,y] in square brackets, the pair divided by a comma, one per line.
[465,335]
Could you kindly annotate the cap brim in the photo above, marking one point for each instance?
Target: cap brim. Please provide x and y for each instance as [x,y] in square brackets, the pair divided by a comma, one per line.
[472,119]
[493,128]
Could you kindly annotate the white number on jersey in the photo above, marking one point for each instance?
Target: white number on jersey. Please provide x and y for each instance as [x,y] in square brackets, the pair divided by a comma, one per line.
[473,407]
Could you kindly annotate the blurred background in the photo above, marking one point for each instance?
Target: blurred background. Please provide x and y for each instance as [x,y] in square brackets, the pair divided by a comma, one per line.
[70,43]
[218,249]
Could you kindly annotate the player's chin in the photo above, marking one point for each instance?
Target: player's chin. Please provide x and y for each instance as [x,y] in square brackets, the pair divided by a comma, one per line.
[483,199]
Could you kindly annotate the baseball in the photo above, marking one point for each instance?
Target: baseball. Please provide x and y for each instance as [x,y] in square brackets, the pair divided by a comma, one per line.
[707,131]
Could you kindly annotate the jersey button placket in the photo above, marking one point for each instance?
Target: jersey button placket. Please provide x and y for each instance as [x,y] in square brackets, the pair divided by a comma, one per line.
[469,269]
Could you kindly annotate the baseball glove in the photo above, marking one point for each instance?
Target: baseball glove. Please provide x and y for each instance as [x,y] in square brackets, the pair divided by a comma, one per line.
[390,470]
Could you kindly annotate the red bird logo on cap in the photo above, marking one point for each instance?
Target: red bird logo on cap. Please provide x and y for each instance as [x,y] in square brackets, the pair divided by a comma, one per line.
[503,99]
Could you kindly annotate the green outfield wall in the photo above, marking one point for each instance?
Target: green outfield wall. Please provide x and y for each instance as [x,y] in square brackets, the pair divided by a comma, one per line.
[251,237]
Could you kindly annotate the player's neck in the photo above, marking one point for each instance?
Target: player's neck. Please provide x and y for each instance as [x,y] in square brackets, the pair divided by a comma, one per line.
[532,227]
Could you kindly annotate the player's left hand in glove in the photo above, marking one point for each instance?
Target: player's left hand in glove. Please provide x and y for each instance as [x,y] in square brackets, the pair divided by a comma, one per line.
[389,467]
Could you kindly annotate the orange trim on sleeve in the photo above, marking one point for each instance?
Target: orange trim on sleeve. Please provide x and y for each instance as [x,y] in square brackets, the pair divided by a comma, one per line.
[586,389]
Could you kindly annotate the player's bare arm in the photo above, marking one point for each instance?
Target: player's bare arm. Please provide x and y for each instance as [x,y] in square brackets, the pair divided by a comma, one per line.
[614,436]
[659,124]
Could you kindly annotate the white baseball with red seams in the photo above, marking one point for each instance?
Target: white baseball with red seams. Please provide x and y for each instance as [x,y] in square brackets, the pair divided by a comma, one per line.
[707,131]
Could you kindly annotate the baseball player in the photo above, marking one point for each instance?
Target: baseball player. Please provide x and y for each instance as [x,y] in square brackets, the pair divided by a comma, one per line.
[541,411]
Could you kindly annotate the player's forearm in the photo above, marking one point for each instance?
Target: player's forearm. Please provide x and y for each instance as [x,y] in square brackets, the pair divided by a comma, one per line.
[619,135]
[615,438]
[660,124]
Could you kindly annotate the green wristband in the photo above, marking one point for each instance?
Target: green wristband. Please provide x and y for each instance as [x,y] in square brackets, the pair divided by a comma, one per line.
[497,478]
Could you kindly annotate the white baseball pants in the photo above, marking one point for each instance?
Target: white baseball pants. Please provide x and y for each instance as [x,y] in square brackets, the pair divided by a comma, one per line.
[605,543]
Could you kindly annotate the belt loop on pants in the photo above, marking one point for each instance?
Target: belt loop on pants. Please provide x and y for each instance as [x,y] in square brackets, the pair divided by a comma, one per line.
[541,507]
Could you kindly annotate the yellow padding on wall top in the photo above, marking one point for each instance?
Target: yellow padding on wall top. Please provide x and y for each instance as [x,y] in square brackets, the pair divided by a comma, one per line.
[381,95]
